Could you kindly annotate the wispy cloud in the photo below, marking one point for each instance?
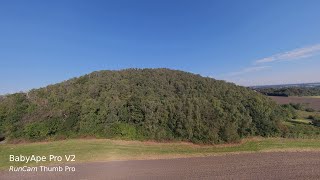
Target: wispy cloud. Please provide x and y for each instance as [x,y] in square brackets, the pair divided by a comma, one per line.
[260,65]
[248,70]
[300,53]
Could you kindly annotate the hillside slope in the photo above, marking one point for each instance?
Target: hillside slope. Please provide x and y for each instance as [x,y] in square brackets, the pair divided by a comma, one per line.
[158,104]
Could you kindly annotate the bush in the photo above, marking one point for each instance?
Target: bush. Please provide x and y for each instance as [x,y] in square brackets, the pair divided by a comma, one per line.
[310,110]
[2,138]
[36,131]
[314,117]
[290,111]
[297,106]
[124,131]
[316,123]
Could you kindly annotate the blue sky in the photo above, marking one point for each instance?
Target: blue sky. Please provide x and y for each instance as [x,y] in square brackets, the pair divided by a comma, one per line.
[246,42]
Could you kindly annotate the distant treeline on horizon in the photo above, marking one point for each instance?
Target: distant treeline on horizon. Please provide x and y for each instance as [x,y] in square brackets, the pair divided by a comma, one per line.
[290,91]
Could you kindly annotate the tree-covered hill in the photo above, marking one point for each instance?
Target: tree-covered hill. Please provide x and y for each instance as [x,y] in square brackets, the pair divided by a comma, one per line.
[157,104]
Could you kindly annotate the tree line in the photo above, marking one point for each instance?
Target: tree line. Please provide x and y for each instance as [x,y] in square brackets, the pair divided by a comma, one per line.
[290,91]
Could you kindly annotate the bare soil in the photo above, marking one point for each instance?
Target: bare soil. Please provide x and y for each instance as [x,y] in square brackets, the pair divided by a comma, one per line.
[267,165]
[313,103]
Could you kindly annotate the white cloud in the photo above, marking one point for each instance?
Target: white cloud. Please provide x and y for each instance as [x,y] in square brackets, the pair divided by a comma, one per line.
[300,53]
[248,70]
[240,77]
[307,75]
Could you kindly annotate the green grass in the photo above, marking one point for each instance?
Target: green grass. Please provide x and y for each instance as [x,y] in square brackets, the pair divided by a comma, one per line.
[301,121]
[311,96]
[305,114]
[92,150]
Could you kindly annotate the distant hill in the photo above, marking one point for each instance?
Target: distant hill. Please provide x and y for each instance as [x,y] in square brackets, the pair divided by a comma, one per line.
[290,91]
[157,104]
[280,86]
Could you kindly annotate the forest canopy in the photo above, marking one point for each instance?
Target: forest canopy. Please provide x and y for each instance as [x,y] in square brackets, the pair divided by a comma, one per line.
[156,104]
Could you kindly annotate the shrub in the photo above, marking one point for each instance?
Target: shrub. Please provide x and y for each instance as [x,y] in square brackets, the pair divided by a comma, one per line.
[124,131]
[36,131]
[310,110]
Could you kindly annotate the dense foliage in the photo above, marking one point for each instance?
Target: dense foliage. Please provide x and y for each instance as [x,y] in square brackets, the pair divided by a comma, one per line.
[301,123]
[158,104]
[291,91]
[315,119]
